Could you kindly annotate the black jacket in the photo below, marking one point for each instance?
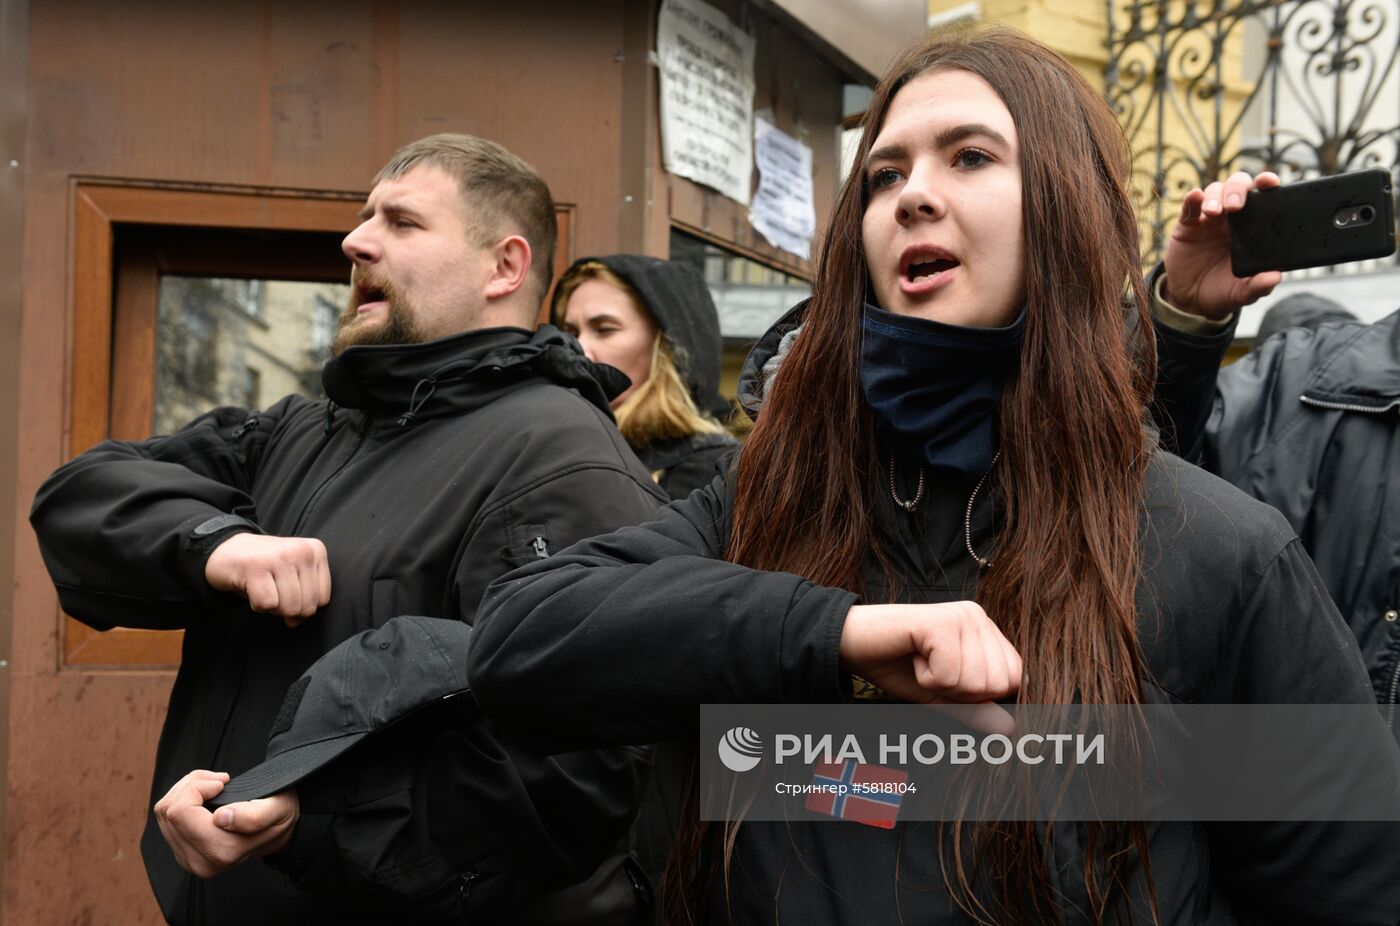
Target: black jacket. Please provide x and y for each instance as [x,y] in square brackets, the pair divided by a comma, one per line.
[1308,423]
[1231,608]
[676,296]
[434,469]
[684,464]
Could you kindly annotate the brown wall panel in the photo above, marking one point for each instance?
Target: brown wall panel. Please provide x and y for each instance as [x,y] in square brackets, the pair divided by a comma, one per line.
[293,95]
[81,745]
[14,63]
[545,81]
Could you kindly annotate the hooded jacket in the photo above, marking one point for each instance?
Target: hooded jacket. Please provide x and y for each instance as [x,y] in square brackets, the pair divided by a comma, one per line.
[432,469]
[678,300]
[1301,310]
[1308,423]
[1231,611]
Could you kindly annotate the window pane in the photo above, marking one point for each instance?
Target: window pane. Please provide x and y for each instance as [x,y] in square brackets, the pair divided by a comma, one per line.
[239,342]
[749,296]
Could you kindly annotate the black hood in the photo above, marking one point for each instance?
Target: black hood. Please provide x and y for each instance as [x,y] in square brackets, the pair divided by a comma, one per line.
[455,374]
[676,296]
[1302,310]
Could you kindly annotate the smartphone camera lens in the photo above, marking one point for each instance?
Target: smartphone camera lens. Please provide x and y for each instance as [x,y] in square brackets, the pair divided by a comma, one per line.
[1367,213]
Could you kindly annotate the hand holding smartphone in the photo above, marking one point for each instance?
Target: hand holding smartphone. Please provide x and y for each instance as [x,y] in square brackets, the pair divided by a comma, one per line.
[1331,220]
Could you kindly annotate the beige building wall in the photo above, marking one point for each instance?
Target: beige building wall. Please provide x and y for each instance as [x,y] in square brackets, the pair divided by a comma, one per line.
[1078,30]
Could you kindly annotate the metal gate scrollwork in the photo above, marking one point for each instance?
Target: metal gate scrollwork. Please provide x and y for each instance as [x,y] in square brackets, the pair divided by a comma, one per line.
[1305,88]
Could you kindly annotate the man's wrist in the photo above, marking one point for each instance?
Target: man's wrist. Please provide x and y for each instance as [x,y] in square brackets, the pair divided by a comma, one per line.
[212,531]
[1170,315]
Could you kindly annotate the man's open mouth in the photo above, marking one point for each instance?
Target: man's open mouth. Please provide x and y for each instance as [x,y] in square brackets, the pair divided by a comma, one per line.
[369,294]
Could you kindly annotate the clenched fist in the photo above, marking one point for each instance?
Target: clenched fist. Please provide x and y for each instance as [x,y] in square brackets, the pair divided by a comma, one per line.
[286,576]
[950,653]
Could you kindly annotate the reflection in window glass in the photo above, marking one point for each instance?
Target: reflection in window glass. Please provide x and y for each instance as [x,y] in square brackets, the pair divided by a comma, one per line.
[750,296]
[239,342]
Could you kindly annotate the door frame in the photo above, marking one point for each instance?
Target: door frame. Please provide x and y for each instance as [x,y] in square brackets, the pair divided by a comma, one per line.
[100,320]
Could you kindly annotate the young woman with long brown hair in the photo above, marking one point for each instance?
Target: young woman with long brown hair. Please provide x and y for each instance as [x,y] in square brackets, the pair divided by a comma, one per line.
[952,494]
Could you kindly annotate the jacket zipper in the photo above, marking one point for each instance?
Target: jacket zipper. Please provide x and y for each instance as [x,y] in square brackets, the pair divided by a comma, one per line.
[245,427]
[541,547]
[1390,701]
[1366,410]
[321,489]
[464,889]
[1345,407]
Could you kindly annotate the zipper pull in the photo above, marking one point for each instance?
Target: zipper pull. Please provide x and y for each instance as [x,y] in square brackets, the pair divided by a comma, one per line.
[464,888]
[245,427]
[540,547]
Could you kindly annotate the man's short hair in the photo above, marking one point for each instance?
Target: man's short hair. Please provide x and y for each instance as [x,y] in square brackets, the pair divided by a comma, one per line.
[503,194]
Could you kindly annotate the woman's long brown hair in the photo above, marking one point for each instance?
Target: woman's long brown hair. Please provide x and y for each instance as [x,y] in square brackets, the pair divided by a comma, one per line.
[1074,451]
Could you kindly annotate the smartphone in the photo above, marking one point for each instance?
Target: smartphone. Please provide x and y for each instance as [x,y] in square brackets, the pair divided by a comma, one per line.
[1330,220]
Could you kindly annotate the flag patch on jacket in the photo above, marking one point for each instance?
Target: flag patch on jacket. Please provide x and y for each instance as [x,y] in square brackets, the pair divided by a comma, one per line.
[860,792]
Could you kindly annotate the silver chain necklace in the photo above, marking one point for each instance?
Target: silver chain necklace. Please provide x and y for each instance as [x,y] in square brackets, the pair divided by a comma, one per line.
[913,503]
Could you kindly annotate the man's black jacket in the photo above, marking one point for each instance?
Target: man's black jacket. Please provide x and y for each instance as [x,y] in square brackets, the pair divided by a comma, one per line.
[433,469]
[1308,423]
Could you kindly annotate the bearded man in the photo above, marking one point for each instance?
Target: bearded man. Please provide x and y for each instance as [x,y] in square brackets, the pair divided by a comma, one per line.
[455,443]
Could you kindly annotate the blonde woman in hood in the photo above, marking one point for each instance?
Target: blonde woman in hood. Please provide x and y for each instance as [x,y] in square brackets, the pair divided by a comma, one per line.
[654,320]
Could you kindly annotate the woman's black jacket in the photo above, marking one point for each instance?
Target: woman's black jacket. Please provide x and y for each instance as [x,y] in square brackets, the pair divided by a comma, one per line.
[619,638]
[684,464]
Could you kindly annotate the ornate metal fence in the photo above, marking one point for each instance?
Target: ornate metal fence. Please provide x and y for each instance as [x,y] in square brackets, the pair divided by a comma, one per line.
[1203,87]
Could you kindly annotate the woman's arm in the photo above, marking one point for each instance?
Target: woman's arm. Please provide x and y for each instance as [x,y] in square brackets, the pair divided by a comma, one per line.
[618,639]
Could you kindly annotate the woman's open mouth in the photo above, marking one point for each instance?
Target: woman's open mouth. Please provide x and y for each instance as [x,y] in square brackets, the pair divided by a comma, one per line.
[927,274]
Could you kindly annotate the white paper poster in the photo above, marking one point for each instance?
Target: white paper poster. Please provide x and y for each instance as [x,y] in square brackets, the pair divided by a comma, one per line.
[782,207]
[706,96]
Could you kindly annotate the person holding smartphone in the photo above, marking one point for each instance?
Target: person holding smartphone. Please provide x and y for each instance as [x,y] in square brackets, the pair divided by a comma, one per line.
[1306,422]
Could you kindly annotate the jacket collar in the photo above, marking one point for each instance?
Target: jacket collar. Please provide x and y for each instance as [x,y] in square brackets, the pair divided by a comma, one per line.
[454,375]
[768,349]
[1364,373]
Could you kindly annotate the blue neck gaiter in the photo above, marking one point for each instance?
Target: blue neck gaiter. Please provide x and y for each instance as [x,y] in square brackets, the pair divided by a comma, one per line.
[934,388]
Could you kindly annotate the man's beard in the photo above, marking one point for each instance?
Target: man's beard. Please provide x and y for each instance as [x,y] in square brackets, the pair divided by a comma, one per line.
[397,326]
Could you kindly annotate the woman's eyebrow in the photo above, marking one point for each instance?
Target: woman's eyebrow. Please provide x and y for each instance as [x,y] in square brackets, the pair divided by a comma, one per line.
[956,133]
[886,153]
[943,139]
